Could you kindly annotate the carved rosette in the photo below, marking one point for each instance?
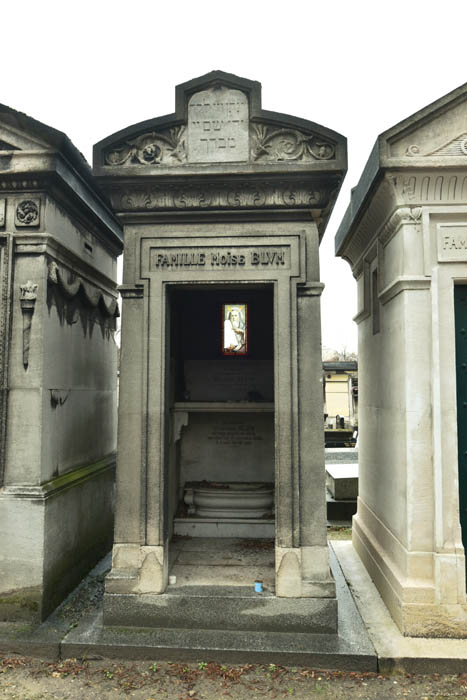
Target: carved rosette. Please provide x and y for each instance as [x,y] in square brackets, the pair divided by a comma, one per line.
[271,144]
[27,212]
[167,147]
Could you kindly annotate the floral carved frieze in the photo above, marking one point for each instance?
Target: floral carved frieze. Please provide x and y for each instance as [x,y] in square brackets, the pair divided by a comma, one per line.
[167,147]
[272,144]
[243,195]
[27,212]
[267,143]
[455,147]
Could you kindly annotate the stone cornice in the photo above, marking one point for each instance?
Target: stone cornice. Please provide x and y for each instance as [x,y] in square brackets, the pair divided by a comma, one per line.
[399,199]
[284,193]
[46,244]
[50,172]
[130,291]
[60,483]
[401,284]
[315,289]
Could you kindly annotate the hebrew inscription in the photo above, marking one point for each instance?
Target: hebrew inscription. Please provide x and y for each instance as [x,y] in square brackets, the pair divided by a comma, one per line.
[218,126]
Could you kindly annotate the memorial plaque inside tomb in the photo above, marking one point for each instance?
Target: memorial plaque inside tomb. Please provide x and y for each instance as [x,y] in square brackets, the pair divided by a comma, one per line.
[223,207]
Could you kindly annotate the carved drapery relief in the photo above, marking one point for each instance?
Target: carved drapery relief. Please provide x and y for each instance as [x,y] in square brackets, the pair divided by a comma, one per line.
[76,299]
[28,297]
[27,213]
[271,144]
[154,148]
[455,147]
[242,195]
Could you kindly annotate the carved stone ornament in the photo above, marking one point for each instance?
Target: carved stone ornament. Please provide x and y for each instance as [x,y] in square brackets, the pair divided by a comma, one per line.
[244,195]
[28,291]
[74,297]
[167,147]
[269,143]
[27,213]
[2,211]
[28,296]
[456,147]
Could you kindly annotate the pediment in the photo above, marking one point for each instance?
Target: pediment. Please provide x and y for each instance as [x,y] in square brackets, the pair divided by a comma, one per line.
[438,132]
[219,120]
[14,139]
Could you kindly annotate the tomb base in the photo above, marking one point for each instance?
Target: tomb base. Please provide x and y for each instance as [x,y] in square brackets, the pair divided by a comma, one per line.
[222,608]
[225,527]
[411,583]
[48,544]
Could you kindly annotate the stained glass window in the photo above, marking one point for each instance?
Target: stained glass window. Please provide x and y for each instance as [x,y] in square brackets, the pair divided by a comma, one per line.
[234,329]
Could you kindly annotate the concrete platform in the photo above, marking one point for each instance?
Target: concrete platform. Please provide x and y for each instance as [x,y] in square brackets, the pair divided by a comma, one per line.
[368,639]
[350,649]
[395,652]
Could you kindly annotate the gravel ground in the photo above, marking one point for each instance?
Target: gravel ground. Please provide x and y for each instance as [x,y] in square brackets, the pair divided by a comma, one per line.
[23,678]
[30,679]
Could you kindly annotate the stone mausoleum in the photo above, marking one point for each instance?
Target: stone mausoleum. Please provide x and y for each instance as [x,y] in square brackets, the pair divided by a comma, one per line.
[59,242]
[405,236]
[223,206]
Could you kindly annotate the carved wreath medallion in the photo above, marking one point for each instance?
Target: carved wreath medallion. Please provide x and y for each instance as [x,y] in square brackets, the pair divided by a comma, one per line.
[27,213]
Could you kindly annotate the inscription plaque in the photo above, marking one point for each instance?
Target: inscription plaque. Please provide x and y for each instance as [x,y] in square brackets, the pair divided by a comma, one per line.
[228,433]
[216,380]
[218,126]
[452,242]
[214,258]
[231,448]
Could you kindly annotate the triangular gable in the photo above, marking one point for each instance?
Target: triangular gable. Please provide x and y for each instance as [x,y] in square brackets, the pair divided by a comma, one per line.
[14,139]
[437,131]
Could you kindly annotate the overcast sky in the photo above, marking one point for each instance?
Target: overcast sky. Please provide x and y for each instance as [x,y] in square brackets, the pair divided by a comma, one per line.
[358,67]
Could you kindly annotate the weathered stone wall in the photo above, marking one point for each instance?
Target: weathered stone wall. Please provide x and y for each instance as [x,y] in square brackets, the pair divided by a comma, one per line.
[59,368]
[397,236]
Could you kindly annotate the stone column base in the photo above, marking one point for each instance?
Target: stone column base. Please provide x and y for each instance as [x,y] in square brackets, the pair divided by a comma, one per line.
[423,591]
[304,572]
[138,569]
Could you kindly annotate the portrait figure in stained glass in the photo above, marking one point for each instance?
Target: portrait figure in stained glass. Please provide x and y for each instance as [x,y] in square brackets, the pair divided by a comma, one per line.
[235,338]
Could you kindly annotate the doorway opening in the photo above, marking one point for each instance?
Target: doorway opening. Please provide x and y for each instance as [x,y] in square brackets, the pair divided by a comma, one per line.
[221,461]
